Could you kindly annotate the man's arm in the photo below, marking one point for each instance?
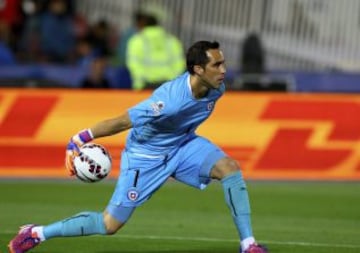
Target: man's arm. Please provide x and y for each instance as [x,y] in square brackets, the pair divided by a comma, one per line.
[111,126]
[101,129]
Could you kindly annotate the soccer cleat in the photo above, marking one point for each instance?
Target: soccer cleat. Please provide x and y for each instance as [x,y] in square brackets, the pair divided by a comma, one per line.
[255,248]
[24,240]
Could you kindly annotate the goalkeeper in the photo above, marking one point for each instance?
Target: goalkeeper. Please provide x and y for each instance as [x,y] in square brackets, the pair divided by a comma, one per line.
[162,143]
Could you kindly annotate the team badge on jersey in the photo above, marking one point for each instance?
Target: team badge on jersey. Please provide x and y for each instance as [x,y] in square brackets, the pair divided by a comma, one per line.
[133,194]
[157,107]
[210,105]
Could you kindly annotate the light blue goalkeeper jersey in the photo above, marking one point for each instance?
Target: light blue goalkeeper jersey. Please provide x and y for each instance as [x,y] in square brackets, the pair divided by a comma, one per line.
[169,117]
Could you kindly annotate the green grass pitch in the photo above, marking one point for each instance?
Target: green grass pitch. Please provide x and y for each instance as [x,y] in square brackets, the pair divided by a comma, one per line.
[296,217]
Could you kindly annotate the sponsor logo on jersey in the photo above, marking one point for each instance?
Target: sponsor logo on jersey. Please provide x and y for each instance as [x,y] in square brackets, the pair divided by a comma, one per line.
[157,107]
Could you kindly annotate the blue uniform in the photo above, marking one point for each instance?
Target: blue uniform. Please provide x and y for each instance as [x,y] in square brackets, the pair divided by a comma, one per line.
[163,143]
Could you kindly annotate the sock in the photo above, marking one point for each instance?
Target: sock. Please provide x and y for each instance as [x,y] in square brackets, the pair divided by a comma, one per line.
[39,232]
[237,199]
[86,223]
[245,244]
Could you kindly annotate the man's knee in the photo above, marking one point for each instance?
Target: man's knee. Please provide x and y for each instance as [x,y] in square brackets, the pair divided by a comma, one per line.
[224,167]
[111,224]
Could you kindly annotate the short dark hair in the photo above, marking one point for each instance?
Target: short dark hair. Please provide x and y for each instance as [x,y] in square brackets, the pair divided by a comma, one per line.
[151,20]
[196,54]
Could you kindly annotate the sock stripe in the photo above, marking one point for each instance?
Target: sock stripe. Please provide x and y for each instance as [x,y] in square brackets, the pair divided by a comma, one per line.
[237,200]
[231,202]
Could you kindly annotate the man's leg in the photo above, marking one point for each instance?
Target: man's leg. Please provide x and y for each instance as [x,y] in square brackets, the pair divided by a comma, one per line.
[29,236]
[197,170]
[85,223]
[82,224]
[237,199]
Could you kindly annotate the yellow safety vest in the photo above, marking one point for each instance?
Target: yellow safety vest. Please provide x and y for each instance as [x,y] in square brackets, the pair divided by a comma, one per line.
[153,56]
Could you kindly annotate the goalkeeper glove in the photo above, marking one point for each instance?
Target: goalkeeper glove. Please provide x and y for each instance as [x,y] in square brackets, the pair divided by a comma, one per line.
[73,148]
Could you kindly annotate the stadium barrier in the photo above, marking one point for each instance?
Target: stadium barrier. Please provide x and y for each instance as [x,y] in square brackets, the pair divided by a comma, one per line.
[273,136]
[56,76]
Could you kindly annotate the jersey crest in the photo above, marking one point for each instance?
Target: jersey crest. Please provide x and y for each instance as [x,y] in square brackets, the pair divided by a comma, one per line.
[133,194]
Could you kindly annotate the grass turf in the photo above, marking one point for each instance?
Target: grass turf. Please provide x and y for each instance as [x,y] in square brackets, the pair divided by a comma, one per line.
[312,217]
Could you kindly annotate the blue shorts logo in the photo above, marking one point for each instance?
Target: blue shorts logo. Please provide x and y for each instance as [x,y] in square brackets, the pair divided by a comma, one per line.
[210,106]
[132,195]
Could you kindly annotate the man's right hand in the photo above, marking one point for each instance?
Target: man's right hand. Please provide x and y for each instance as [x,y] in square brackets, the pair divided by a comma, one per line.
[73,148]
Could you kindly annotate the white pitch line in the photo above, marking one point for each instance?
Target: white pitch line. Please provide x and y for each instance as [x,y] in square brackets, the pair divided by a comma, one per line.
[208,239]
[205,239]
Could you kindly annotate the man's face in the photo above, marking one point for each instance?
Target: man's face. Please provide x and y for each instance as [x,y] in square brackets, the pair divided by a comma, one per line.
[214,72]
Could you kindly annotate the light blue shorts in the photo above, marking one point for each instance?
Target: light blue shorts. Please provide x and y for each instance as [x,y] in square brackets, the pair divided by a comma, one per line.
[141,176]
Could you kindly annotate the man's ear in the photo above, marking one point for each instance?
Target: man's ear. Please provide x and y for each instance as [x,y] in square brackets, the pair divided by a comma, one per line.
[198,69]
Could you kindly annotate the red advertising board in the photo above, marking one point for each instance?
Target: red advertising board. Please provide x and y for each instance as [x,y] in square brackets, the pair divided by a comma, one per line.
[273,136]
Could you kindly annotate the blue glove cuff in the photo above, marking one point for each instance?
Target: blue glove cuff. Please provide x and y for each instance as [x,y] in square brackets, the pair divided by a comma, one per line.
[72,146]
[86,136]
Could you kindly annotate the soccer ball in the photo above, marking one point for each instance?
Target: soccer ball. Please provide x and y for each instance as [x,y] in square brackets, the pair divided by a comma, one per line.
[93,163]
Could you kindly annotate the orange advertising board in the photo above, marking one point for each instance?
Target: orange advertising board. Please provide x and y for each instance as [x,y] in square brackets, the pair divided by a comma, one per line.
[273,136]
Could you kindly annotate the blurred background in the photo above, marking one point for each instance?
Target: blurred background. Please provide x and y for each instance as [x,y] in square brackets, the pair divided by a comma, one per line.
[276,45]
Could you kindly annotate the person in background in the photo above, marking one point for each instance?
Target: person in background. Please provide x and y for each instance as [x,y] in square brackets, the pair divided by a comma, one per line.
[29,43]
[11,15]
[97,74]
[99,36]
[139,20]
[253,55]
[57,33]
[253,67]
[153,56]
[7,56]
[84,51]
